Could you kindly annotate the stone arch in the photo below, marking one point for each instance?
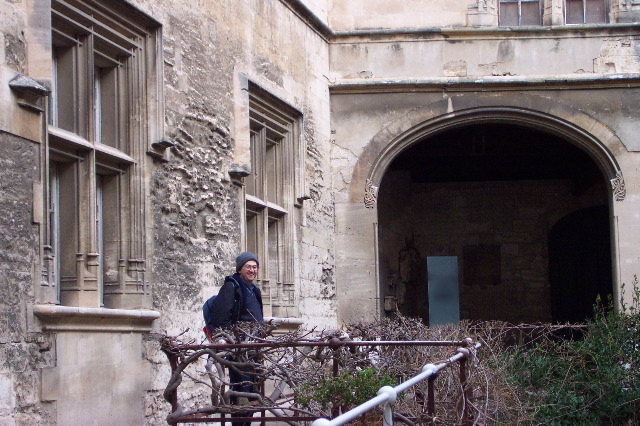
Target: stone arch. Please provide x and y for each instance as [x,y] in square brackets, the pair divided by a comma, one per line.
[527,110]
[358,217]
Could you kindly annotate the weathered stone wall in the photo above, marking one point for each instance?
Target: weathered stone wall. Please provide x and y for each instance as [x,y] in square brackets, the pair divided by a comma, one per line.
[197,208]
[22,352]
[486,53]
[195,225]
[397,14]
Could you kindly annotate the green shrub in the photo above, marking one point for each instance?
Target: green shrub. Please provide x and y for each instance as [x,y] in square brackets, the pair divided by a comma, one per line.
[591,381]
[350,389]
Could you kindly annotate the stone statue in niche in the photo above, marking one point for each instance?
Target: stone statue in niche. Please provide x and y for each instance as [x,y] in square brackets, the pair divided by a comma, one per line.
[411,291]
[410,265]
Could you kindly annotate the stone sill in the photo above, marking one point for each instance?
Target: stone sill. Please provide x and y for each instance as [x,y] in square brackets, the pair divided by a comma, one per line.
[69,318]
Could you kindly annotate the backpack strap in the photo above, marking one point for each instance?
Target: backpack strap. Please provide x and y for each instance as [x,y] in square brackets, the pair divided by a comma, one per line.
[240,298]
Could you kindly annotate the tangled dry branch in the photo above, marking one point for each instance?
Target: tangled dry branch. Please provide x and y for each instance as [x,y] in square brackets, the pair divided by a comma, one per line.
[296,373]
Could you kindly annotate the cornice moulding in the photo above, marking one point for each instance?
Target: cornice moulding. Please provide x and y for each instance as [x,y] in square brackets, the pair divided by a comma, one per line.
[543,82]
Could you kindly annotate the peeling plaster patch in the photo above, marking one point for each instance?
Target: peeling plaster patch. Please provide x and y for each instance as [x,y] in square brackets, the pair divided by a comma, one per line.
[270,71]
[488,69]
[455,69]
[361,74]
[14,52]
[618,55]
[328,290]
[506,52]
[7,395]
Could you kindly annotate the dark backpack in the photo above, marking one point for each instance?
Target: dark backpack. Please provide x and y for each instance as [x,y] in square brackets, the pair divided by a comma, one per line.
[210,308]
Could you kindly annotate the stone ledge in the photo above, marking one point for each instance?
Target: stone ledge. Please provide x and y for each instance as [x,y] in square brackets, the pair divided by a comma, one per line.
[513,82]
[285,324]
[69,318]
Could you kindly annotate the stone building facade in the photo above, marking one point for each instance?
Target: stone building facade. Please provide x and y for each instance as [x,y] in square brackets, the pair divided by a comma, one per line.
[145,143]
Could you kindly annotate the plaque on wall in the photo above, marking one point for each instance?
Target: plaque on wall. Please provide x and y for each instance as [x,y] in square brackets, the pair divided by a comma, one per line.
[482,265]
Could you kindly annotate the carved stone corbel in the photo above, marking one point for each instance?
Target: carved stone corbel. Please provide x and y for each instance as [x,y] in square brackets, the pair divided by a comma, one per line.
[29,93]
[370,194]
[618,186]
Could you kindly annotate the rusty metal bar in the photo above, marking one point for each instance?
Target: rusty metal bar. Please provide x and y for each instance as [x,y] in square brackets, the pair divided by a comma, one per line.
[332,344]
[172,395]
[335,411]
[465,395]
[431,399]
[187,419]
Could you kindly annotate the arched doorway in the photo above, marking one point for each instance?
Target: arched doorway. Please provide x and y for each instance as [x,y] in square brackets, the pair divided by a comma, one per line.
[579,263]
[486,194]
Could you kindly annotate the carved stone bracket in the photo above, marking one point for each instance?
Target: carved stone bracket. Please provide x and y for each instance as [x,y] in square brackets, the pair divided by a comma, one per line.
[370,194]
[29,93]
[238,172]
[161,149]
[618,186]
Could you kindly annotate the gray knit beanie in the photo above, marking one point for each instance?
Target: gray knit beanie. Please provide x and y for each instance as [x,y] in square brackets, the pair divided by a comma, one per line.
[244,258]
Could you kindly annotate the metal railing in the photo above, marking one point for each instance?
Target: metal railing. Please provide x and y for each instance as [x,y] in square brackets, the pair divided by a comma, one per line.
[388,395]
[182,355]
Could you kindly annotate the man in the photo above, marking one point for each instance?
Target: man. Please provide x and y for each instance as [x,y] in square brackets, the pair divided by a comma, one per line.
[240,299]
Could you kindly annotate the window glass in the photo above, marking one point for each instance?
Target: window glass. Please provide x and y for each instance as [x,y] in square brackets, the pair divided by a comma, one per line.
[520,12]
[585,11]
[274,235]
[595,11]
[272,167]
[530,13]
[509,13]
[65,92]
[574,11]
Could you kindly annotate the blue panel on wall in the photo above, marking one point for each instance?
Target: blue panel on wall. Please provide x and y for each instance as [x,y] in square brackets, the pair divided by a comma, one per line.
[442,277]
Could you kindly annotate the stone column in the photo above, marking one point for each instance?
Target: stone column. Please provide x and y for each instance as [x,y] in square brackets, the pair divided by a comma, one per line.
[552,13]
[356,266]
[482,13]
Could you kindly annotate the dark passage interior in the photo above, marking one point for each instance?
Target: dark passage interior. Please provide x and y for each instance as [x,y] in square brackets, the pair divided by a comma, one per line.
[525,213]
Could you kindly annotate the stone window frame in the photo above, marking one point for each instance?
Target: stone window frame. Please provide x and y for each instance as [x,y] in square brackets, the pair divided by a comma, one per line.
[518,4]
[270,193]
[600,19]
[554,12]
[104,111]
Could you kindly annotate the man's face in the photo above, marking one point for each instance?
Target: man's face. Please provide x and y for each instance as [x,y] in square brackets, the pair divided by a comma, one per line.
[249,271]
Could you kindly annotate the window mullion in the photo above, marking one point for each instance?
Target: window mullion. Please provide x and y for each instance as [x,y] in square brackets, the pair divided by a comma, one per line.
[99,232]
[54,227]
[519,12]
[262,165]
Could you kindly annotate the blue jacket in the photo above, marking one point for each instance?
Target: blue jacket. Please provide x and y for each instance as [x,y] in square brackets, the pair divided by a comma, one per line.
[231,300]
